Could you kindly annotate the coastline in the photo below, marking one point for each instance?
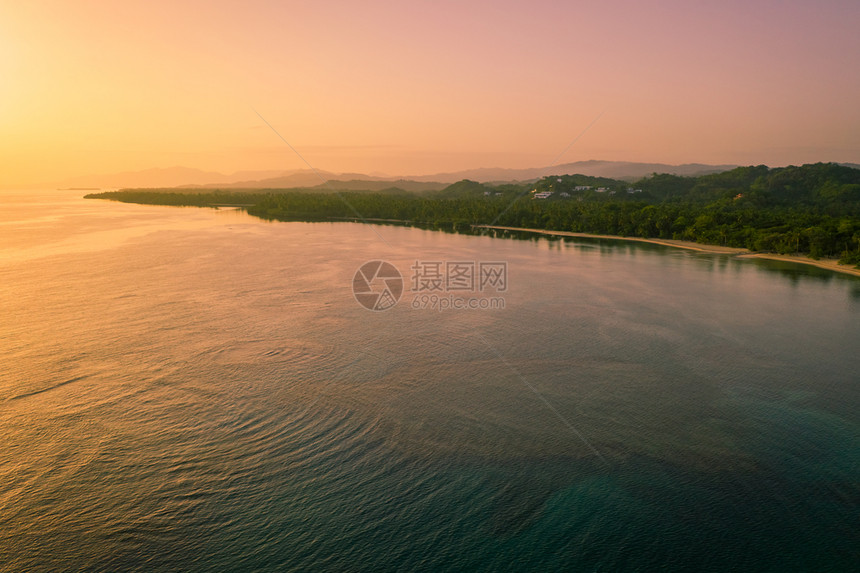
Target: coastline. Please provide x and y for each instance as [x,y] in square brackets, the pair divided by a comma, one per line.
[689,245]
[829,264]
[741,253]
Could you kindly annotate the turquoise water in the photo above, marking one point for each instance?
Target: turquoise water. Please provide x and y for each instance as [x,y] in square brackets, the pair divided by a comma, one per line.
[188,389]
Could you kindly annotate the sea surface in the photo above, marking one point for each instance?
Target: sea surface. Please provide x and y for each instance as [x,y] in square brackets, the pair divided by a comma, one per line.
[187,389]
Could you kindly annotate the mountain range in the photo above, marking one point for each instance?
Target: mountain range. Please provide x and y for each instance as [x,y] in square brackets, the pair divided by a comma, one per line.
[185,177]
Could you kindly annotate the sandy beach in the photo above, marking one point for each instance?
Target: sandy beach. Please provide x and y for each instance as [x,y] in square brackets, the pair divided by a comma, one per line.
[829,264]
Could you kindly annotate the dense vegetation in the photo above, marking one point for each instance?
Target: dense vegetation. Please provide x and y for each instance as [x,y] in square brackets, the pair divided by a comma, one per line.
[813,209]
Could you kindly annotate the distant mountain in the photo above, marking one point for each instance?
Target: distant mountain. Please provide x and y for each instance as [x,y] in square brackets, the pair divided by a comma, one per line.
[611,169]
[342,181]
[362,182]
[303,178]
[382,185]
[161,177]
[184,177]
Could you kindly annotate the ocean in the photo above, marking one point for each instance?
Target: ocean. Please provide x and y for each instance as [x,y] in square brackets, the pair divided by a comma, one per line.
[187,389]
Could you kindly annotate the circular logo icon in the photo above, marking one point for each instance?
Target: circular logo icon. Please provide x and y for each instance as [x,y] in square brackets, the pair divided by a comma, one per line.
[377,285]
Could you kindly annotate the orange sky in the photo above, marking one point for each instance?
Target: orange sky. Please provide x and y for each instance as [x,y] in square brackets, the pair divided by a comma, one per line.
[421,87]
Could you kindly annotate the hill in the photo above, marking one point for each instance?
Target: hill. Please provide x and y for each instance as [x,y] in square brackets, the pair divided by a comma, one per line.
[610,169]
[161,177]
[188,178]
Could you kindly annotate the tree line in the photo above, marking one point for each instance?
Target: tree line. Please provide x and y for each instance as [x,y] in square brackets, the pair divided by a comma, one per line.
[811,209]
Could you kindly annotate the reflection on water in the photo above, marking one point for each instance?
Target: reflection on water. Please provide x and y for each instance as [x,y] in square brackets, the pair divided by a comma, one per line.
[716,262]
[796,272]
[192,389]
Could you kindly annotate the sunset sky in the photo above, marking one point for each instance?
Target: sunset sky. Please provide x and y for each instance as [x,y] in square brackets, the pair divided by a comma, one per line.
[416,87]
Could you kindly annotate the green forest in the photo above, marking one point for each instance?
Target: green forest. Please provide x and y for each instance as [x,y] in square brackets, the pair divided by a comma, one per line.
[812,209]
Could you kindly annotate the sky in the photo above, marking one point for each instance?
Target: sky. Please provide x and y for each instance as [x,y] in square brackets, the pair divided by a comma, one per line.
[420,87]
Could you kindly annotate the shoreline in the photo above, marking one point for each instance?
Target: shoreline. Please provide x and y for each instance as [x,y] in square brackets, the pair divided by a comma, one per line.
[828,264]
[738,252]
[689,245]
